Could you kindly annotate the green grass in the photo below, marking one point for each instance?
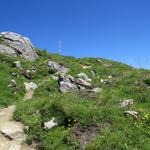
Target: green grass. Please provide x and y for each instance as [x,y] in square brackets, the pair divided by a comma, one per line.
[1,40]
[117,131]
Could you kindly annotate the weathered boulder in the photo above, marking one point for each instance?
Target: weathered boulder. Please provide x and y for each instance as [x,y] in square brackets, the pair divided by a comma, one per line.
[59,68]
[16,45]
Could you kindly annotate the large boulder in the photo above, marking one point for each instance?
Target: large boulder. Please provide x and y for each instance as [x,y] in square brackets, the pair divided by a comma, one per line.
[16,45]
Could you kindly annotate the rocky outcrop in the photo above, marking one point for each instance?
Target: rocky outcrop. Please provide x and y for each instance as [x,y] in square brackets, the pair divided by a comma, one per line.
[16,45]
[67,83]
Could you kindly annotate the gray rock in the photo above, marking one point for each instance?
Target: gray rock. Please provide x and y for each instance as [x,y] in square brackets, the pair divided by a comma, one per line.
[67,83]
[81,88]
[85,66]
[96,90]
[67,87]
[50,124]
[98,60]
[33,69]
[13,83]
[84,77]
[82,82]
[8,50]
[59,68]
[64,78]
[126,103]
[30,86]
[15,74]
[132,113]
[16,45]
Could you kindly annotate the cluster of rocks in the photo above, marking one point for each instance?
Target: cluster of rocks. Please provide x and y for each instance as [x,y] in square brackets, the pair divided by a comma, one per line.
[126,104]
[13,85]
[68,83]
[16,45]
[26,73]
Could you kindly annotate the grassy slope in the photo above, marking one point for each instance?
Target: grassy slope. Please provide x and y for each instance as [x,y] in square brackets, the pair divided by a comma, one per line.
[119,132]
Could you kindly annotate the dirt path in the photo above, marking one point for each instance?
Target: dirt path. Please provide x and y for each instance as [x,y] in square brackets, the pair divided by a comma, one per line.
[28,95]
[11,132]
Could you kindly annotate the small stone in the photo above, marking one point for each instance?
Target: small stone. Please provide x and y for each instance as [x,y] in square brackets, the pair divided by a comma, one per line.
[33,69]
[98,60]
[84,76]
[85,66]
[102,80]
[109,77]
[50,124]
[13,83]
[15,74]
[132,113]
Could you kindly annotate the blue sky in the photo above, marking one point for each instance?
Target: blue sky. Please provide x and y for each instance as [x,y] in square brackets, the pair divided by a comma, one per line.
[113,29]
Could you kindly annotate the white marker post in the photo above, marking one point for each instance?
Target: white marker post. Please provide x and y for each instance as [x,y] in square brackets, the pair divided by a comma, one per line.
[60,46]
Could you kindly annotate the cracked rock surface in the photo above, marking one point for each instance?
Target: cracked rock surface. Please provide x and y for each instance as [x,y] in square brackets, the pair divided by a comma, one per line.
[16,45]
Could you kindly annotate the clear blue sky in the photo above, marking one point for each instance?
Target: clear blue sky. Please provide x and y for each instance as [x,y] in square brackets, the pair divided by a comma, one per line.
[114,29]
